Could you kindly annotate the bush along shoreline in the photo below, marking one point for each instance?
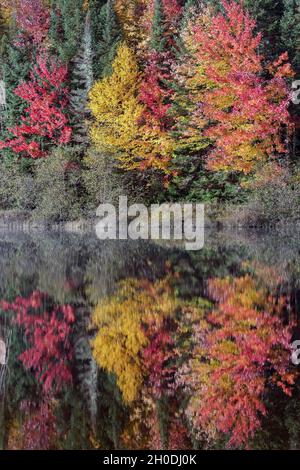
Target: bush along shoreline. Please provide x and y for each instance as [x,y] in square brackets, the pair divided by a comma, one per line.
[158,100]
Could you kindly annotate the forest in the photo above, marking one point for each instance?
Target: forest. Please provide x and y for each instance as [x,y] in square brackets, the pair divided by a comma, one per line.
[135,344]
[161,100]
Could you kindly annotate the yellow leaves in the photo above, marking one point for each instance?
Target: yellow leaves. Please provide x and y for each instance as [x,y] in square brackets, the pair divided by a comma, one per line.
[116,349]
[117,112]
[6,14]
[121,338]
[129,15]
[114,104]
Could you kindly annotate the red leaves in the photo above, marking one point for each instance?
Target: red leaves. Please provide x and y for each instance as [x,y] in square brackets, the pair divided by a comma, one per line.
[39,428]
[45,121]
[33,20]
[48,336]
[154,92]
[157,357]
[245,111]
[243,349]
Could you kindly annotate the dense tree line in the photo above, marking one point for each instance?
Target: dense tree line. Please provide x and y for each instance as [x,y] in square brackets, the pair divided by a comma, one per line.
[172,98]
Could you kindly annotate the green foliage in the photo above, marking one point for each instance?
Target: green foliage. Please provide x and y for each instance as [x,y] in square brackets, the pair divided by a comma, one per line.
[194,183]
[268,15]
[67,20]
[158,40]
[15,68]
[290,30]
[106,36]
[270,201]
[102,181]
[17,186]
[58,185]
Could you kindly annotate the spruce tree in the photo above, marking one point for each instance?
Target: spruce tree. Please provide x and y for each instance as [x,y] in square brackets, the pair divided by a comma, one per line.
[67,20]
[82,81]
[268,14]
[158,41]
[15,69]
[106,36]
[290,31]
[290,38]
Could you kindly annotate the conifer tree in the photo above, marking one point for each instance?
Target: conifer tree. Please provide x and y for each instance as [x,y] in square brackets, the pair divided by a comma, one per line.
[106,36]
[290,31]
[15,69]
[158,41]
[82,81]
[268,15]
[67,20]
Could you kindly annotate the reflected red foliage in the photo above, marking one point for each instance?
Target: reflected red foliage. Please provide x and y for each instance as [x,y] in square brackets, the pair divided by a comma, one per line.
[48,334]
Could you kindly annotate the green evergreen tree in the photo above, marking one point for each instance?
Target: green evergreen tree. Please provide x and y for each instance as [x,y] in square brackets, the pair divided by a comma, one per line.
[15,68]
[106,36]
[158,40]
[67,20]
[81,83]
[268,15]
[290,31]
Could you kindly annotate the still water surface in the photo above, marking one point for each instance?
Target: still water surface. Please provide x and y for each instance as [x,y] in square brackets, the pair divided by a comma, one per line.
[136,345]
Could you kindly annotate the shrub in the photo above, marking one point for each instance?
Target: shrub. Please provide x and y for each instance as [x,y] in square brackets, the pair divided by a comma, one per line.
[58,186]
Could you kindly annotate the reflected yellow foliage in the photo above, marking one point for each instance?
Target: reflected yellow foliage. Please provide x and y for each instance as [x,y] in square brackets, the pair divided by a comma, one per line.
[120,338]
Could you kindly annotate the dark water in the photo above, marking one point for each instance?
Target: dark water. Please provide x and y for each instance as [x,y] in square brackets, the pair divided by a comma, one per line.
[135,345]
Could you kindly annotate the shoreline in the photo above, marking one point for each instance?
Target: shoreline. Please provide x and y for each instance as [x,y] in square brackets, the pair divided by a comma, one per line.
[20,220]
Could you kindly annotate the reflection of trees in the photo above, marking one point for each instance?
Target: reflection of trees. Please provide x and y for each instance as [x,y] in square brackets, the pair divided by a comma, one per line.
[77,270]
[120,338]
[240,351]
[47,331]
[150,315]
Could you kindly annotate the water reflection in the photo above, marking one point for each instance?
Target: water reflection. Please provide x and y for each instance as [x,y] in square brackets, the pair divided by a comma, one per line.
[132,345]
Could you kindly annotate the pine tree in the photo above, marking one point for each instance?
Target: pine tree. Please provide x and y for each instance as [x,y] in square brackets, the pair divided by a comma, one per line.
[290,31]
[66,26]
[158,41]
[268,15]
[15,69]
[106,38]
[82,81]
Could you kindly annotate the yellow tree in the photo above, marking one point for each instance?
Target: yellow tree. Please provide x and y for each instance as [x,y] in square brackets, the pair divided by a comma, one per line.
[117,115]
[130,13]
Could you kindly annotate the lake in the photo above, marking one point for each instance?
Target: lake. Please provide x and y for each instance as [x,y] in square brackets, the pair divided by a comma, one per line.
[142,345]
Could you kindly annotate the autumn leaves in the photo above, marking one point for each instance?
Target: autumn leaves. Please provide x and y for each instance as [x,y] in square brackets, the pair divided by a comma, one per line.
[207,88]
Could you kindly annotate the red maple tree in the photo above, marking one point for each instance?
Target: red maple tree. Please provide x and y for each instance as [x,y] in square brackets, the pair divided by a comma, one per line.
[45,122]
[158,359]
[244,102]
[33,21]
[155,93]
